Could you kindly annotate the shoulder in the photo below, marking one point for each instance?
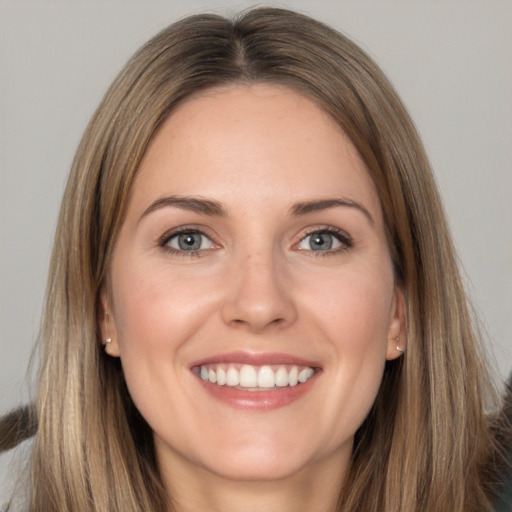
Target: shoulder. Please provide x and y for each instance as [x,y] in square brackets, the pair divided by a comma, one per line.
[504,495]
[13,473]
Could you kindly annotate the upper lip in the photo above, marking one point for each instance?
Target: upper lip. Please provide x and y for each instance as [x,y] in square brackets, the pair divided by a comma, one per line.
[256,359]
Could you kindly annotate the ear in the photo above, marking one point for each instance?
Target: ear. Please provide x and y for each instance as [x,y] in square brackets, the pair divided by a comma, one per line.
[397,334]
[107,324]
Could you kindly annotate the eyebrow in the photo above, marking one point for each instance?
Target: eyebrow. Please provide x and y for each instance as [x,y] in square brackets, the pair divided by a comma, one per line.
[215,209]
[303,208]
[194,204]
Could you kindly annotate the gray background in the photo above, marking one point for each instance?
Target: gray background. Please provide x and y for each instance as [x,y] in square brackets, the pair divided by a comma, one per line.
[451,62]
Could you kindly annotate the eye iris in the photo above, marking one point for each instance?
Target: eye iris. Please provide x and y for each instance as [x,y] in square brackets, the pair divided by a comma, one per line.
[189,241]
[321,241]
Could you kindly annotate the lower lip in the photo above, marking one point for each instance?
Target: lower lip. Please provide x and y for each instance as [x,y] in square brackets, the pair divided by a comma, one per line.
[259,400]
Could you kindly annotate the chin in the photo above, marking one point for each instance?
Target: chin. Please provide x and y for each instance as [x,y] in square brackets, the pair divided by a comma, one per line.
[262,467]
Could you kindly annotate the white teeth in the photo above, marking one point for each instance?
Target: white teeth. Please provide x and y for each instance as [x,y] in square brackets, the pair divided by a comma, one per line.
[248,377]
[233,377]
[281,377]
[306,374]
[293,376]
[221,376]
[266,377]
[255,377]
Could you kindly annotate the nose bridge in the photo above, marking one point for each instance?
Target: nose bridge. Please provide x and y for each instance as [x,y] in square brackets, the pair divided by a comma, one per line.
[258,296]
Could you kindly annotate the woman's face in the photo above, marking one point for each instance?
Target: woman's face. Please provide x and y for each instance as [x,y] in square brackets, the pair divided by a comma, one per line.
[251,297]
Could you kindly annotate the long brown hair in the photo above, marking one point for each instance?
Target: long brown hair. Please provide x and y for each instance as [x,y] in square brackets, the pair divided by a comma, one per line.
[425,444]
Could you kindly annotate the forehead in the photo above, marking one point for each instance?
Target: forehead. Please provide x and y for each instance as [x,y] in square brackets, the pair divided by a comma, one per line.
[262,140]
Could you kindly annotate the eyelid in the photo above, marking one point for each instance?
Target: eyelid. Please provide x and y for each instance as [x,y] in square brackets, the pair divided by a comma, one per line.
[164,239]
[342,236]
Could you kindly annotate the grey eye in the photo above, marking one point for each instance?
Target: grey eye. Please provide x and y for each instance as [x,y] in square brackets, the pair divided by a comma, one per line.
[192,241]
[320,241]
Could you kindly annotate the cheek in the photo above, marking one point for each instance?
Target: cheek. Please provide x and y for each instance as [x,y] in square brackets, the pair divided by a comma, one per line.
[156,314]
[353,314]
[354,309]
[156,307]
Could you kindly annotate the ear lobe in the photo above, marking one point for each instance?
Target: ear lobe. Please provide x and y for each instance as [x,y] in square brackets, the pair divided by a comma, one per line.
[107,325]
[397,333]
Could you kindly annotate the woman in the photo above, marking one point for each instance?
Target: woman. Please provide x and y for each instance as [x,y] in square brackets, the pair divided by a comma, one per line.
[253,300]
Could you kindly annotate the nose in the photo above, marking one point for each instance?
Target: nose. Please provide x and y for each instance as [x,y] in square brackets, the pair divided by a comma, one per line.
[259,296]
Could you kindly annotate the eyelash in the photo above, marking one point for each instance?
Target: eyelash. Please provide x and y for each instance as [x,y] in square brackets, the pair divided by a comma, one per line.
[343,238]
[167,237]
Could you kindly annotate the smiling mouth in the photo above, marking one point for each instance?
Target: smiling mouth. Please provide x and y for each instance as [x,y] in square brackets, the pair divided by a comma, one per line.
[254,378]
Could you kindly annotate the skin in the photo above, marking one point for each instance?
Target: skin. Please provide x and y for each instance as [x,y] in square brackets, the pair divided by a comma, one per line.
[256,286]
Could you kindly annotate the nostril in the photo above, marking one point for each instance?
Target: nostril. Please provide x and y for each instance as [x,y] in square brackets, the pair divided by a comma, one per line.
[257,326]
[257,304]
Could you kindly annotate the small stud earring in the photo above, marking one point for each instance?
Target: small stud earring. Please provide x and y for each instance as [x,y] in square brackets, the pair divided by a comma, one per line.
[398,347]
[107,341]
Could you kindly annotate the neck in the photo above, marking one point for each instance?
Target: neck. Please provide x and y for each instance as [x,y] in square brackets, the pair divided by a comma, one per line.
[193,489]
